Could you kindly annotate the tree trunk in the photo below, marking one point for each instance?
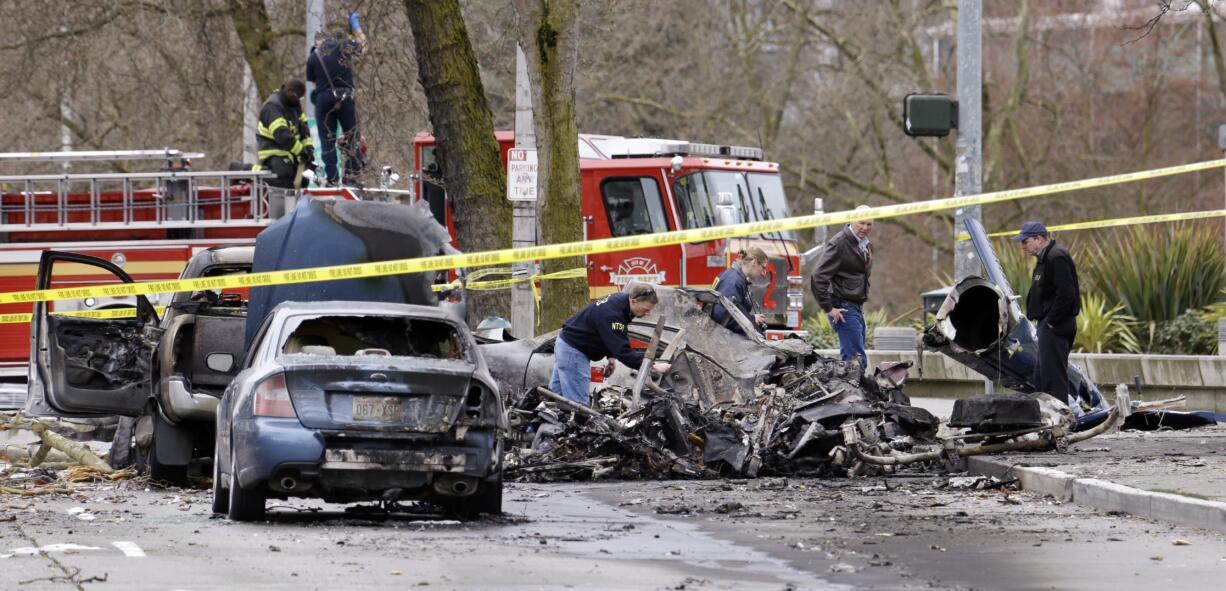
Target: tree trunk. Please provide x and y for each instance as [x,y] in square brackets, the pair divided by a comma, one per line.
[548,31]
[251,23]
[1215,44]
[467,150]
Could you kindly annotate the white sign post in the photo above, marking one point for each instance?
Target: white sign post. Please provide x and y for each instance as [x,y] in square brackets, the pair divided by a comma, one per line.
[521,174]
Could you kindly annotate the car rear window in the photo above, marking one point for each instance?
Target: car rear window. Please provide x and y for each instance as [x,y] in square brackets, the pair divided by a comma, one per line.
[375,335]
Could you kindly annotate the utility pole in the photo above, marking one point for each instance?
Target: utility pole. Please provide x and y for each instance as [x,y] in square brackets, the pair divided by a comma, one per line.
[524,218]
[968,164]
[315,10]
[314,24]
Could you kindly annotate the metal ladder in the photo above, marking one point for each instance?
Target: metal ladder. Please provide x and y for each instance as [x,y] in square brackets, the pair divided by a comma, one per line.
[148,200]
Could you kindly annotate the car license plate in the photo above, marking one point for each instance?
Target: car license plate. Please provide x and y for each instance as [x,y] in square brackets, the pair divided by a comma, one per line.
[377,408]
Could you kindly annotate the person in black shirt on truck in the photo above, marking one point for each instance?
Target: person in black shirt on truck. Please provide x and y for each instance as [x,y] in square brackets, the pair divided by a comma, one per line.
[330,67]
[596,332]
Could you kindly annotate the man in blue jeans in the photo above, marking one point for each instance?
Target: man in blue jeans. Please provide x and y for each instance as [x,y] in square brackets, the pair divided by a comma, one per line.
[330,67]
[596,332]
[840,284]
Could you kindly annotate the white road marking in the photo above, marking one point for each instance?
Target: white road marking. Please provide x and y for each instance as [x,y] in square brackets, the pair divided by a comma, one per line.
[129,549]
[30,550]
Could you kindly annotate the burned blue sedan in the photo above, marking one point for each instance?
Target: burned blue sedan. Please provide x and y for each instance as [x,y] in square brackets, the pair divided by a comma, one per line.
[359,401]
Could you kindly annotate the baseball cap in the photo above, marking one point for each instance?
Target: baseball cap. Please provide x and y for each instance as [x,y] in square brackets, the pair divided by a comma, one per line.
[1029,229]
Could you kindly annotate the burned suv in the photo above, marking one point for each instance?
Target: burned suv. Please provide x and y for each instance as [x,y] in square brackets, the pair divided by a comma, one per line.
[162,376]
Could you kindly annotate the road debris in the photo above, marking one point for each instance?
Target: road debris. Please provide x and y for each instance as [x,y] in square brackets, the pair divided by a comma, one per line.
[792,429]
[49,431]
[737,406]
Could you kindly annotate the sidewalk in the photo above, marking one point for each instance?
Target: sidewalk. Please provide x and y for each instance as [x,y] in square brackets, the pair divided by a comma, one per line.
[1176,477]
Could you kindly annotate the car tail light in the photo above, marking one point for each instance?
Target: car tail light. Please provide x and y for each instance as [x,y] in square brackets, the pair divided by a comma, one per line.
[272,398]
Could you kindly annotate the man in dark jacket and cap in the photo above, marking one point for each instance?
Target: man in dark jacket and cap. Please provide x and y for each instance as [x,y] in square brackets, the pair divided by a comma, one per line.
[840,284]
[1053,303]
[598,331]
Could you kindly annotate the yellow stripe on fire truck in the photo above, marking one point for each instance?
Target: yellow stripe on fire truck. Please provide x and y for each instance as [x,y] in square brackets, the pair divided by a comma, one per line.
[578,249]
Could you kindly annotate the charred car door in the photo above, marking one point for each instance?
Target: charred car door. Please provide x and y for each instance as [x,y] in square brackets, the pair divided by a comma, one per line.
[89,366]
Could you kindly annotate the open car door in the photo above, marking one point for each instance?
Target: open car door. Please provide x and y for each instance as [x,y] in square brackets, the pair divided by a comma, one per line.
[89,366]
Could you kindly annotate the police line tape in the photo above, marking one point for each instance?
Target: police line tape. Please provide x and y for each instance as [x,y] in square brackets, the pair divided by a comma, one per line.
[475,283]
[130,311]
[578,249]
[107,314]
[1117,222]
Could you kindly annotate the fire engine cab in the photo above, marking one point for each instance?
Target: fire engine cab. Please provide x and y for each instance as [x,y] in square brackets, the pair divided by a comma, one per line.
[633,186]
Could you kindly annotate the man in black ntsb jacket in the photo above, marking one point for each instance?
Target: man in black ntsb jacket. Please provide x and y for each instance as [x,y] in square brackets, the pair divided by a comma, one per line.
[596,332]
[1053,303]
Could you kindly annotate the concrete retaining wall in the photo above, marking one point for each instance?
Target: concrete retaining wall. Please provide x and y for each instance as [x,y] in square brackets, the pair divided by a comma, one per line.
[1201,378]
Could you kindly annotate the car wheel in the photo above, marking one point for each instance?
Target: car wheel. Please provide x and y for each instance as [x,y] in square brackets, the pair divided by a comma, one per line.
[488,498]
[122,453]
[245,505]
[172,475]
[221,494]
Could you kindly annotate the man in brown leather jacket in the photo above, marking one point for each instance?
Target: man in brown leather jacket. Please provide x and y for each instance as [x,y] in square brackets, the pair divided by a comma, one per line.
[840,284]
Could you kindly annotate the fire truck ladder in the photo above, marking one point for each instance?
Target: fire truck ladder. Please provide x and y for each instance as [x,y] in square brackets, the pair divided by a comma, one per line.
[171,199]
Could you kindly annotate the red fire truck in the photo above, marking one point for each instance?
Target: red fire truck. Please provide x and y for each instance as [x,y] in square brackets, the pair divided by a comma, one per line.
[148,223]
[635,186]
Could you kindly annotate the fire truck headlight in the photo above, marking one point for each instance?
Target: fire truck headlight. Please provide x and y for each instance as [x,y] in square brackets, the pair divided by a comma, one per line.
[89,302]
[796,293]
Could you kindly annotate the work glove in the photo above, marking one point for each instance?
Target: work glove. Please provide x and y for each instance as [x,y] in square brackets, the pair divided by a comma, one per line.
[660,367]
[355,23]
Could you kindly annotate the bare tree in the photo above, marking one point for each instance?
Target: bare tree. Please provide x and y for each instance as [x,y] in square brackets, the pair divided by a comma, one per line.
[464,127]
[548,31]
[254,30]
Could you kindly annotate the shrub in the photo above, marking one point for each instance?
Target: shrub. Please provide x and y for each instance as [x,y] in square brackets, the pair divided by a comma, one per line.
[1017,266]
[1187,334]
[822,335]
[1103,330]
[1156,273]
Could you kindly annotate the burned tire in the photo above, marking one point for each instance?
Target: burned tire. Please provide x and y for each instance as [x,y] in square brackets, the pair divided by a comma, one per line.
[123,447]
[245,505]
[221,494]
[488,499]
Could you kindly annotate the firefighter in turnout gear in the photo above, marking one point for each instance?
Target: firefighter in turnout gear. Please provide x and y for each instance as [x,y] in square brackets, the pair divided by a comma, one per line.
[284,138]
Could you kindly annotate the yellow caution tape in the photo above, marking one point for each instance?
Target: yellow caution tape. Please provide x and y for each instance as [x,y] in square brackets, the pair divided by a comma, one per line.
[490,285]
[578,249]
[107,314]
[129,312]
[1117,222]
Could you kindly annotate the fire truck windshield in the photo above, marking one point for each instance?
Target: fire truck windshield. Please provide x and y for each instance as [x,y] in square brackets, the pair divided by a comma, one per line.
[755,197]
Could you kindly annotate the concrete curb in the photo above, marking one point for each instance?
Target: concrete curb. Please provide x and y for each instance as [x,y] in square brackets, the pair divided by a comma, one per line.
[1107,496]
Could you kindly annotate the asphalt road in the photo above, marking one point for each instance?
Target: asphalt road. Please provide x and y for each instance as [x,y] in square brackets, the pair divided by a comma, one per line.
[896,533]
